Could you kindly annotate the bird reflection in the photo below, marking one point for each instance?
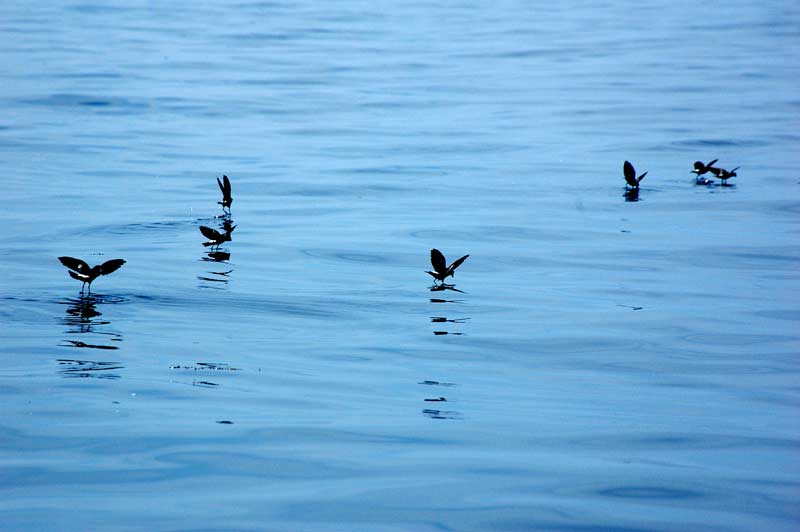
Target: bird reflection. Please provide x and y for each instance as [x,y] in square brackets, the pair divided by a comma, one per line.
[88,369]
[83,318]
[632,195]
[442,319]
[216,255]
[442,287]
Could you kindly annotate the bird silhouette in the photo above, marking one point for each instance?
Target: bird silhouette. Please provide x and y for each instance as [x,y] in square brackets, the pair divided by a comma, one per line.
[700,168]
[225,187]
[441,270]
[215,238]
[724,175]
[81,271]
[630,175]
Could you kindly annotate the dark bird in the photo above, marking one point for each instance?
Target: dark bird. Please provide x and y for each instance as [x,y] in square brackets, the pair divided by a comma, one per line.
[630,175]
[724,175]
[82,272]
[441,270]
[225,187]
[215,238]
[700,168]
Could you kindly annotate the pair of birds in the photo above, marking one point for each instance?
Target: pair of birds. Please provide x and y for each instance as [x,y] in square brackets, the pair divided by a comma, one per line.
[81,271]
[215,238]
[719,173]
[699,169]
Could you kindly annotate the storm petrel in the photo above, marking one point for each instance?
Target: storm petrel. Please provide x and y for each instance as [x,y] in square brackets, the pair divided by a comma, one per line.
[81,271]
[441,270]
[215,238]
[700,168]
[225,187]
[630,175]
[724,175]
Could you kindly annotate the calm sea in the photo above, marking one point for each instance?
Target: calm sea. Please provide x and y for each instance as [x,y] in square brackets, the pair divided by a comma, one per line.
[603,363]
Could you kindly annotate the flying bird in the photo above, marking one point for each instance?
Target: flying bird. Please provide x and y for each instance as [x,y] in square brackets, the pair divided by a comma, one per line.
[225,187]
[215,238]
[724,175]
[441,270]
[630,175]
[81,271]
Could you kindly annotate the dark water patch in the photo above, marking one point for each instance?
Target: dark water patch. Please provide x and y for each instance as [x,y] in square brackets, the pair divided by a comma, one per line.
[82,100]
[785,314]
[687,441]
[720,143]
[649,492]
[347,256]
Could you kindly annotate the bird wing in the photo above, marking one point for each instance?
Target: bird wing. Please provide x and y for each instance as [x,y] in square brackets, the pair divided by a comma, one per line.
[227,189]
[641,177]
[211,234]
[110,266]
[75,264]
[457,263]
[79,276]
[712,162]
[630,173]
[438,261]
[732,171]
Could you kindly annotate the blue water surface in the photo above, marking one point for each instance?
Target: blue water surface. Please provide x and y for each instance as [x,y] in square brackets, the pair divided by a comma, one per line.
[606,362]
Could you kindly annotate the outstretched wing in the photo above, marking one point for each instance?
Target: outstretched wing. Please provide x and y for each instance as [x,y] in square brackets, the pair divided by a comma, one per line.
[630,173]
[712,162]
[225,187]
[457,263]
[641,177]
[438,261]
[732,171]
[75,264]
[211,234]
[79,276]
[111,266]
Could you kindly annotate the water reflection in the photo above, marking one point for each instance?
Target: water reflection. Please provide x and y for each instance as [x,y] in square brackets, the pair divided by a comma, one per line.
[631,195]
[218,277]
[83,318]
[89,369]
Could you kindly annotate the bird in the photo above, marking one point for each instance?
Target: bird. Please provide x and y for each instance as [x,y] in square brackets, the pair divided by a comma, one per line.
[81,271]
[215,238]
[225,187]
[441,270]
[724,175]
[700,169]
[630,175]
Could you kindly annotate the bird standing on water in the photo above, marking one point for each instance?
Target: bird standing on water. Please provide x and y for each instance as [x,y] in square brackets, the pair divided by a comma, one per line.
[225,187]
[724,175]
[441,270]
[81,271]
[630,175]
[215,238]
[700,169]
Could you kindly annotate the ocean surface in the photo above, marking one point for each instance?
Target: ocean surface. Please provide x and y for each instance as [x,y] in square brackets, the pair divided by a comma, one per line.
[602,361]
